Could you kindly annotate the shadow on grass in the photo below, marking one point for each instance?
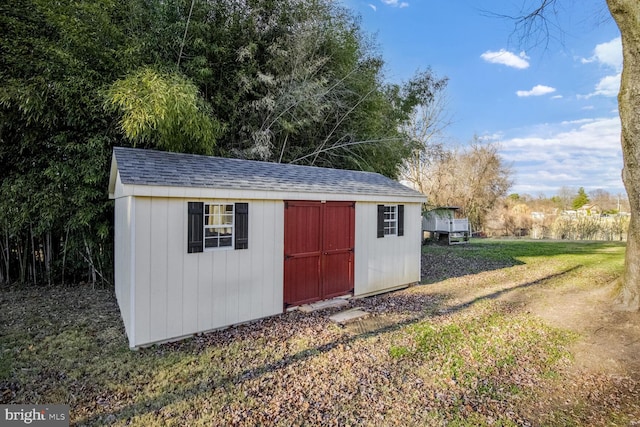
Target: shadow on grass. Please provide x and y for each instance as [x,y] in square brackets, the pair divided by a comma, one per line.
[441,262]
[435,310]
[445,262]
[498,294]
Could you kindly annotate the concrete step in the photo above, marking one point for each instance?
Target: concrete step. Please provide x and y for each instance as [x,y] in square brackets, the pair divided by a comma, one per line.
[321,305]
[349,316]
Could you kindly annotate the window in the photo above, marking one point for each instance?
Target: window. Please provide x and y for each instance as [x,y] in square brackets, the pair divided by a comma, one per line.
[390,220]
[213,225]
[218,225]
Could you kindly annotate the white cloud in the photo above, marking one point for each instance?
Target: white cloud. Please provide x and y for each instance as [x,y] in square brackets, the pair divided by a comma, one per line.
[372,6]
[395,3]
[507,58]
[608,54]
[576,122]
[537,90]
[608,86]
[556,97]
[495,137]
[580,153]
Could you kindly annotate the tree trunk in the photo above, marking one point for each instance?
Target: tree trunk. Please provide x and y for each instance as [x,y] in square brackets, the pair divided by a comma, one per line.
[64,252]
[6,258]
[48,255]
[626,13]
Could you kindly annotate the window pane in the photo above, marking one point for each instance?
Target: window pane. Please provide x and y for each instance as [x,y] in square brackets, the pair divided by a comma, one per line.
[390,220]
[211,243]
[218,225]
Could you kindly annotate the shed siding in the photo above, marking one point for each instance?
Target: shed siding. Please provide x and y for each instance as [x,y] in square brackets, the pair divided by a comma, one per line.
[122,259]
[389,262]
[179,294]
[175,267]
[142,268]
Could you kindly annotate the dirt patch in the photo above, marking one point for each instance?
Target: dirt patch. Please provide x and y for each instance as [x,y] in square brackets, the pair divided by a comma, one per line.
[611,339]
[605,371]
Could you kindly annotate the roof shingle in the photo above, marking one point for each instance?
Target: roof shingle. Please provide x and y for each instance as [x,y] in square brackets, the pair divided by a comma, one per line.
[150,167]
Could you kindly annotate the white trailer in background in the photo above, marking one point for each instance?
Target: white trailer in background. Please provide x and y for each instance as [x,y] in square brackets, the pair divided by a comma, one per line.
[442,225]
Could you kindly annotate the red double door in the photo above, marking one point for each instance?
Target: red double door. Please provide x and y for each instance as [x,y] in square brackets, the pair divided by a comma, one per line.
[318,250]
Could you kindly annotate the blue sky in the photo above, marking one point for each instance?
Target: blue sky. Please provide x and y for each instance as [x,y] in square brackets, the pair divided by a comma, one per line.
[551,106]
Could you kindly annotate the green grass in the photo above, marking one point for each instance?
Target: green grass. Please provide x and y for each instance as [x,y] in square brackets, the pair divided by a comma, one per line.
[481,255]
[526,250]
[468,357]
[486,351]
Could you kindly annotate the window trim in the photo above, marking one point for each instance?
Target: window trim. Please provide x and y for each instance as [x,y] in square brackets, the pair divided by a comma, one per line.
[221,214]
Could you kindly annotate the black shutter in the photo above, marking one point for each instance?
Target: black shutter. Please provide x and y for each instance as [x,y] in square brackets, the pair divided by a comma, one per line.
[400,220]
[241,226]
[195,230]
[380,220]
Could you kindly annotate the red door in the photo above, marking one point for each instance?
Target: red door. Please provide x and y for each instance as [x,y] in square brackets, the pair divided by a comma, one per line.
[318,246]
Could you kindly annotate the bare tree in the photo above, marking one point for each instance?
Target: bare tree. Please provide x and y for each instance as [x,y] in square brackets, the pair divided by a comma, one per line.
[474,179]
[483,178]
[426,129]
[564,197]
[605,200]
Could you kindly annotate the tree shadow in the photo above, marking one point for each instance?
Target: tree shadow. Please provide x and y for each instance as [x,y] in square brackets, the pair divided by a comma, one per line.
[441,262]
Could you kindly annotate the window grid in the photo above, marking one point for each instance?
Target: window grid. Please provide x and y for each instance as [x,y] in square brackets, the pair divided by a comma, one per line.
[390,220]
[218,225]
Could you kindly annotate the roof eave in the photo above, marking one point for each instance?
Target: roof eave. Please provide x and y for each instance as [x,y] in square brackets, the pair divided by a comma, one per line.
[250,194]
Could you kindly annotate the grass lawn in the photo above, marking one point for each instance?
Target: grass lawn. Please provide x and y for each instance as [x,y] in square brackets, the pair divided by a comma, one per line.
[499,333]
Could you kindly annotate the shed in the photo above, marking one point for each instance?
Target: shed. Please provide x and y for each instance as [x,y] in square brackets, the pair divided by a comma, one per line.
[202,242]
[442,224]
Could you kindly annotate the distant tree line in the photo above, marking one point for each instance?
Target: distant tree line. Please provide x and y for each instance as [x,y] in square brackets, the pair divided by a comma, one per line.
[569,214]
[276,80]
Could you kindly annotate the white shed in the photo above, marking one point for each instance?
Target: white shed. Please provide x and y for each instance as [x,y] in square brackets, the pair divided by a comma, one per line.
[205,242]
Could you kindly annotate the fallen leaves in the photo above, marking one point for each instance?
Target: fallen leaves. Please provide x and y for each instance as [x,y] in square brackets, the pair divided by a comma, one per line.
[456,352]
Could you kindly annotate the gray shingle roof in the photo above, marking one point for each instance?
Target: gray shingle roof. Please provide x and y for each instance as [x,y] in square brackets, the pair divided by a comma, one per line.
[149,167]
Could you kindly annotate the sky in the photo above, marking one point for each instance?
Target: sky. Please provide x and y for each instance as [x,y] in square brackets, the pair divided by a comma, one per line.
[549,102]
